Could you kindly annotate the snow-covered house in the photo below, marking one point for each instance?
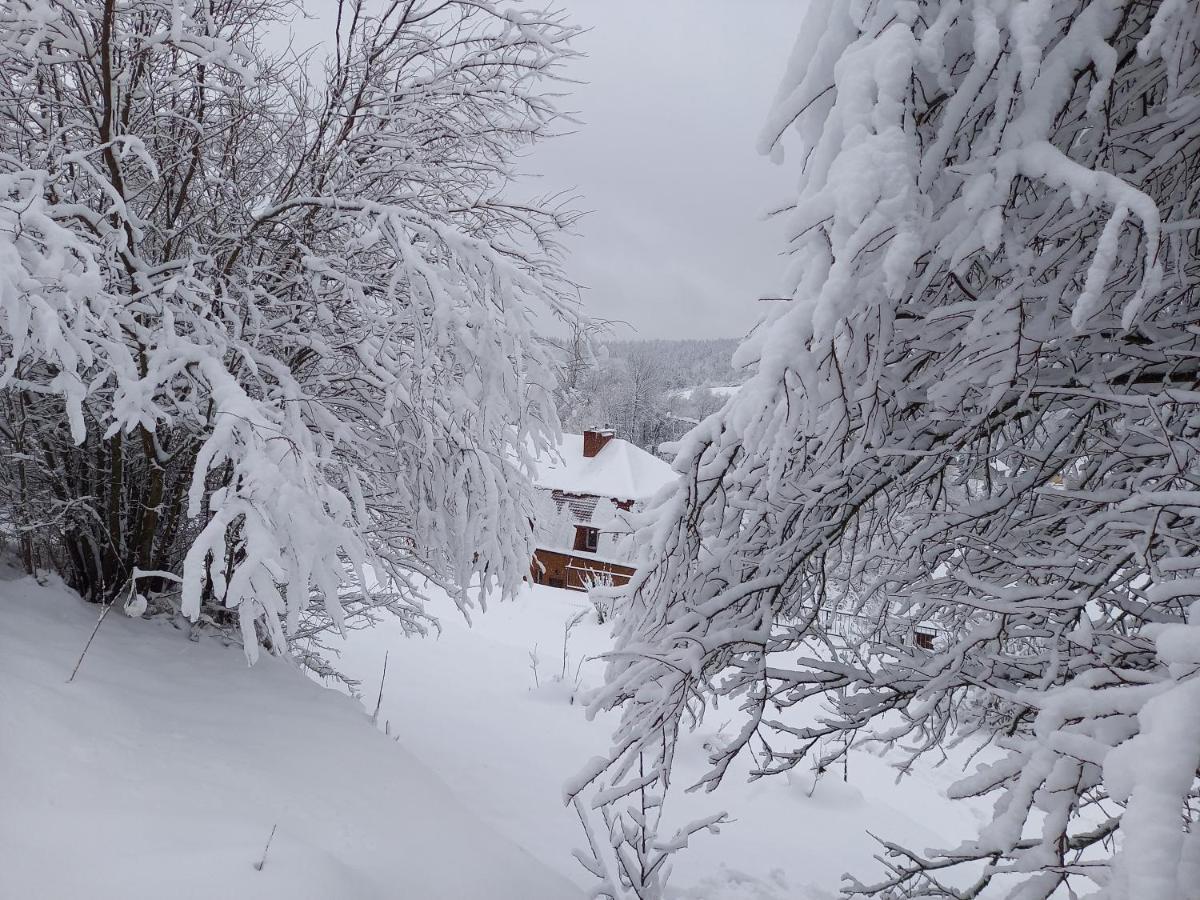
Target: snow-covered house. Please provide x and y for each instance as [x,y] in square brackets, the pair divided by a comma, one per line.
[585,486]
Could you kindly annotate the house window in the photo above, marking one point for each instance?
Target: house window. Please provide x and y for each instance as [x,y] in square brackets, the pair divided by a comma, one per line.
[923,640]
[587,538]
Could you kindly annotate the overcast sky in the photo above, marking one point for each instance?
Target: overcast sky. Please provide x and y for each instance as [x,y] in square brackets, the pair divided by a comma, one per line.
[677,90]
[674,94]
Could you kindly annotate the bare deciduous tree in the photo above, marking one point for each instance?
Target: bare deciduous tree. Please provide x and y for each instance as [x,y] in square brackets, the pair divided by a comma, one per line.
[259,328]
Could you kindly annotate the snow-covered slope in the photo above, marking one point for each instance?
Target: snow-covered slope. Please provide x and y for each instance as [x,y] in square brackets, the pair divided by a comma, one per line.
[466,704]
[161,770]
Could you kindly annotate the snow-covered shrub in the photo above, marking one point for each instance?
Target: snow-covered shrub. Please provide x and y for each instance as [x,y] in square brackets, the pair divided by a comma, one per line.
[601,595]
[564,683]
[626,854]
[978,408]
[261,321]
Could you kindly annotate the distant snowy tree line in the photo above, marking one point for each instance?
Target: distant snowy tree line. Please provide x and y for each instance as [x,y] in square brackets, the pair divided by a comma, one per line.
[649,392]
[980,407]
[266,320]
[685,362]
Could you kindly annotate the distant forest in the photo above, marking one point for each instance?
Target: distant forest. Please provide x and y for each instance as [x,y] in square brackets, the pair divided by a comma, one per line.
[686,363]
[648,391]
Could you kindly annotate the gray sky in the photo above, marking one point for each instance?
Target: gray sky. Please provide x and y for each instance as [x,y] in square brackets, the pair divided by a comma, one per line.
[677,90]
[674,94]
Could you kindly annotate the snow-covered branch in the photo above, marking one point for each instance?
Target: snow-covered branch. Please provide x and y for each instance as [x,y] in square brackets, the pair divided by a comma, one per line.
[262,331]
[978,408]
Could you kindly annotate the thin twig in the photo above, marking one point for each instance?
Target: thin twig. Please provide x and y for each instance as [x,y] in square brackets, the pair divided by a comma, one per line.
[379,699]
[100,620]
[262,862]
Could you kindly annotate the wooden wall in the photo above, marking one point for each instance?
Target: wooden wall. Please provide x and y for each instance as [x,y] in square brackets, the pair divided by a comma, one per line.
[563,570]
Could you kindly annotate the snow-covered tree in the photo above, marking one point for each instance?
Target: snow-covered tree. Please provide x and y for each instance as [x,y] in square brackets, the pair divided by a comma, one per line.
[979,407]
[265,320]
[625,392]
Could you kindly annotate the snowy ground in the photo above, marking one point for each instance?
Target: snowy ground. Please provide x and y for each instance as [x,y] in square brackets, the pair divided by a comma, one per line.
[466,706]
[162,769]
[717,390]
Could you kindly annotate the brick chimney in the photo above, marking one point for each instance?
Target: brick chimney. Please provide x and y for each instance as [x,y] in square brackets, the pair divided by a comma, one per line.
[594,440]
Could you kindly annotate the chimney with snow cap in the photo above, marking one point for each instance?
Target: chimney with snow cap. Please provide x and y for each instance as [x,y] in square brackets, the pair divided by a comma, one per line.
[594,440]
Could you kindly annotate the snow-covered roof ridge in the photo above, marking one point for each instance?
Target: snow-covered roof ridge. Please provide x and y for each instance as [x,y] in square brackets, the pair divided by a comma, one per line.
[620,470]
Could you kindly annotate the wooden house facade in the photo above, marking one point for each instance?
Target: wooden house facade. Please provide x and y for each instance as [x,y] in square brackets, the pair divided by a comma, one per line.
[591,479]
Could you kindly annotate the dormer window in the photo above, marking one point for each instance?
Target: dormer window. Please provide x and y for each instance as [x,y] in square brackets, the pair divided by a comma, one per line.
[587,538]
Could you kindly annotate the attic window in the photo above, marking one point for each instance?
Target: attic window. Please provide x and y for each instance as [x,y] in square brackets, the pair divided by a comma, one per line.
[922,639]
[587,538]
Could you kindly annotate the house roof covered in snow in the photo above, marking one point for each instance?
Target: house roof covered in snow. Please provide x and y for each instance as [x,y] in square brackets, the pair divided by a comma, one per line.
[618,471]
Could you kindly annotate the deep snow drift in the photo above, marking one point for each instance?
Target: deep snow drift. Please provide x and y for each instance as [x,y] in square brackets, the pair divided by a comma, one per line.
[466,705]
[162,769]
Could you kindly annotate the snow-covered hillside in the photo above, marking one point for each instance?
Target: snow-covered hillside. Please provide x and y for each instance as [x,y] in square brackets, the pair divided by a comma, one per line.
[467,706]
[162,769]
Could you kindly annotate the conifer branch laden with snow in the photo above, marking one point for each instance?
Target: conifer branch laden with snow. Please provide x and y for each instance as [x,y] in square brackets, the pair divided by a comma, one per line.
[978,408]
[256,327]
